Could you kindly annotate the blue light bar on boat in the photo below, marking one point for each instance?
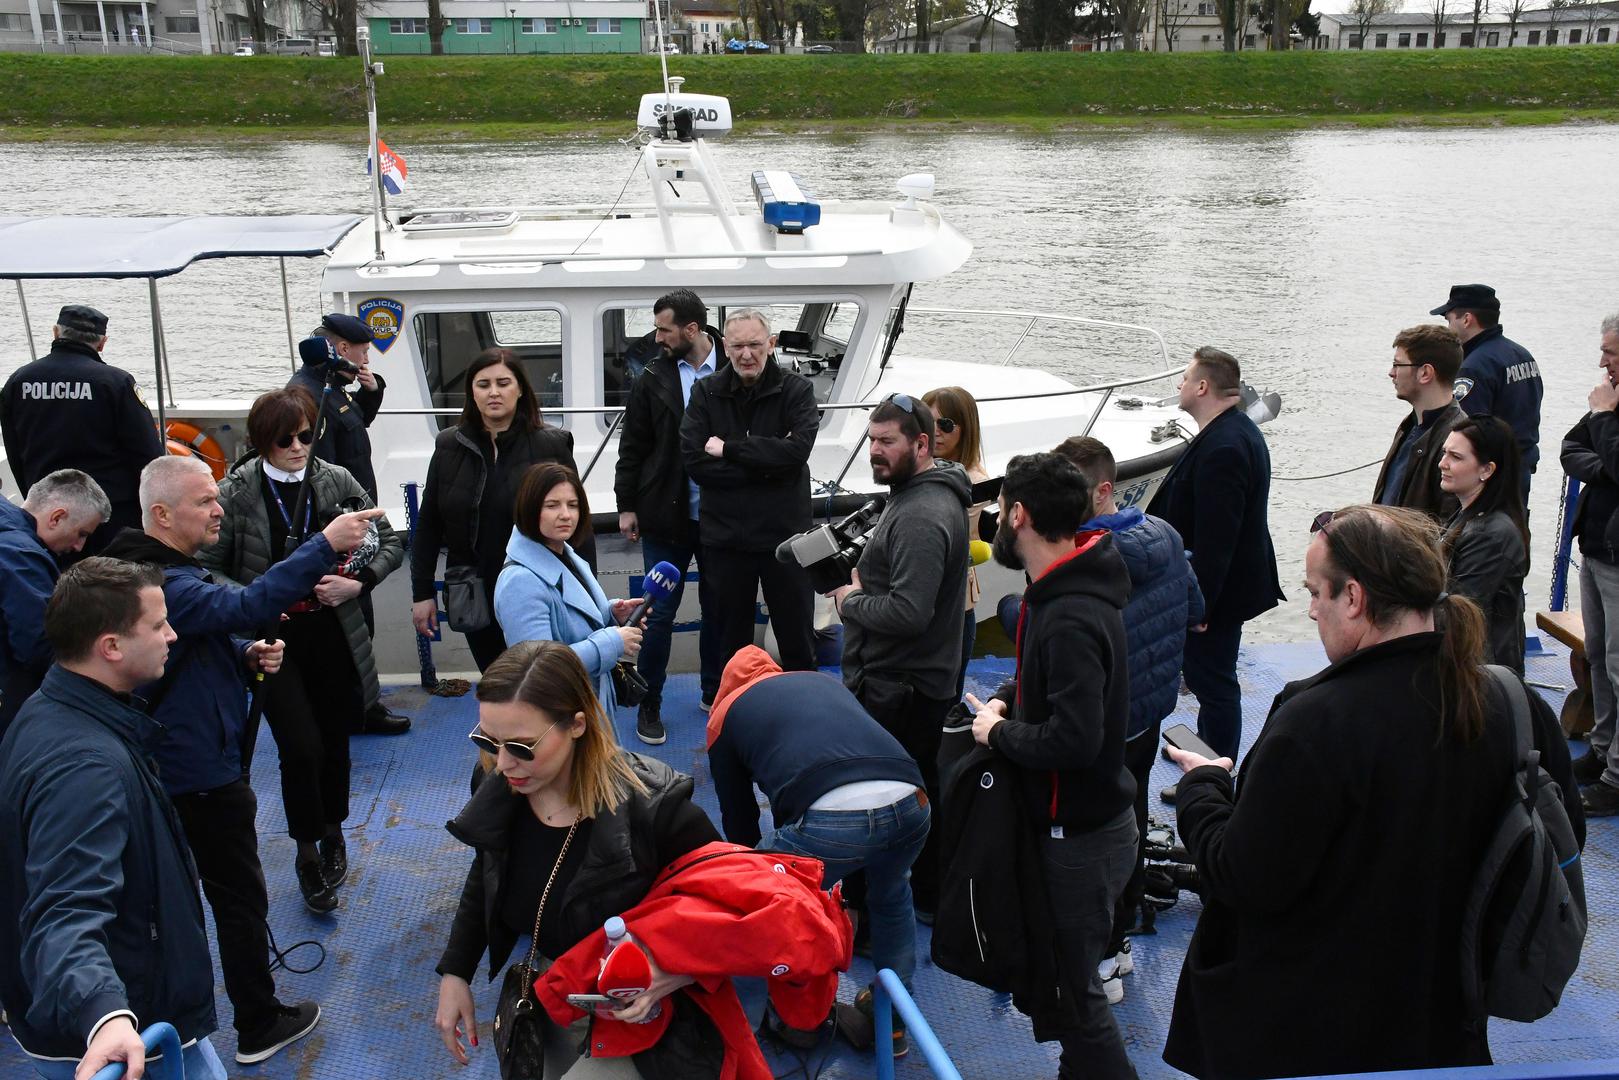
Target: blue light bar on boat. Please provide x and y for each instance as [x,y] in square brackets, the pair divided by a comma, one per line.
[787,206]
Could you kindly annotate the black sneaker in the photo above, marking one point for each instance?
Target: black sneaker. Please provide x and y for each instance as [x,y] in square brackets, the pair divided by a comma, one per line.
[863,1002]
[334,860]
[291,1023]
[649,726]
[1169,794]
[319,897]
[1600,800]
[1588,767]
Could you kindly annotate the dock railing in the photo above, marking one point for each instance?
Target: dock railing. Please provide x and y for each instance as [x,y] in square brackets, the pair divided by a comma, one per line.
[157,1037]
[890,994]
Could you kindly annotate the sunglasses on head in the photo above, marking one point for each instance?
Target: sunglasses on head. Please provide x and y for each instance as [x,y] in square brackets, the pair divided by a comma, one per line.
[521,751]
[306,436]
[903,401]
[1322,520]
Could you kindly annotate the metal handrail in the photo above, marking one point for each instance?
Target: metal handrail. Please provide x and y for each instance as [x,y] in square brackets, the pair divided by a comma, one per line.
[1040,316]
[157,1035]
[889,994]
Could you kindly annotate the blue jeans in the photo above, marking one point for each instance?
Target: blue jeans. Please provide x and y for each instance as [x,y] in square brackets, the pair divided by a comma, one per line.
[1211,673]
[884,843]
[200,1060]
[660,622]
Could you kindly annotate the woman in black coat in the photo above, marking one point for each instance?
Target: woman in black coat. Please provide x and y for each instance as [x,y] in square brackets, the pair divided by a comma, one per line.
[1487,540]
[471,482]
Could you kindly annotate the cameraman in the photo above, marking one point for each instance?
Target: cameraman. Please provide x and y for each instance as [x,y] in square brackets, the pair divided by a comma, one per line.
[902,609]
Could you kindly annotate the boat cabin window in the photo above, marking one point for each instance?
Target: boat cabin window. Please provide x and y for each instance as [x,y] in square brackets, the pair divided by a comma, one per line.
[450,340]
[811,339]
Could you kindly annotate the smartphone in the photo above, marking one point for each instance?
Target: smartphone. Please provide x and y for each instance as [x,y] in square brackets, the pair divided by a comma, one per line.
[588,1002]
[1182,737]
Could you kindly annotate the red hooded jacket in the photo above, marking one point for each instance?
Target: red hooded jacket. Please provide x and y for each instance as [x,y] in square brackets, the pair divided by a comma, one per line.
[719,911]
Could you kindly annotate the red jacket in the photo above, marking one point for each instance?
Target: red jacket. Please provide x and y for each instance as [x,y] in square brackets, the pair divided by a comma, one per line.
[719,911]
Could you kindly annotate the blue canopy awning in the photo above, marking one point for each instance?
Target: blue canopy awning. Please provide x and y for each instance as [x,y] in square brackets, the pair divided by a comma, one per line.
[154,247]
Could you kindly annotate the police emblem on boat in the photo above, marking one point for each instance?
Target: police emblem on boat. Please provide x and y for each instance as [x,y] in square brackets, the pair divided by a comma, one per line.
[383,317]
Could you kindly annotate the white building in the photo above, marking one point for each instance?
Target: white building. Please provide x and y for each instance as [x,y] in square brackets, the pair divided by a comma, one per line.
[969,33]
[1579,24]
[174,26]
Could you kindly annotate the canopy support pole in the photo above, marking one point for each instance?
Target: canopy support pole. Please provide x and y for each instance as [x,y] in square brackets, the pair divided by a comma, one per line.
[379,198]
[159,355]
[286,309]
[27,327]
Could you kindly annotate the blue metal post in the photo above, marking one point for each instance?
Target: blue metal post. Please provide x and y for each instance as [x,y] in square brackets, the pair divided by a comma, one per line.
[890,994]
[154,1037]
[424,645]
[1565,547]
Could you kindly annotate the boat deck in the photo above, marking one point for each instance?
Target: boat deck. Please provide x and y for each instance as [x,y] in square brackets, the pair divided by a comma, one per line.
[378,990]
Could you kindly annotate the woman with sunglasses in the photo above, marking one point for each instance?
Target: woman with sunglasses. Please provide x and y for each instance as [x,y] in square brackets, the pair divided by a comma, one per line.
[327,676]
[1487,540]
[467,500]
[547,592]
[956,417]
[569,830]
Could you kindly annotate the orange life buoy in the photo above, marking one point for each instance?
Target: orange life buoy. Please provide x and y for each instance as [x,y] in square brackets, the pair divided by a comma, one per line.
[188,440]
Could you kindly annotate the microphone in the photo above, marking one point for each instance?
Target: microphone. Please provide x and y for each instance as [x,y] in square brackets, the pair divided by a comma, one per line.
[979,553]
[660,581]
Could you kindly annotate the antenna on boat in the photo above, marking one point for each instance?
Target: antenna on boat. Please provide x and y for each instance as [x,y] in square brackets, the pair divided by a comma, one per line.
[663,54]
[379,197]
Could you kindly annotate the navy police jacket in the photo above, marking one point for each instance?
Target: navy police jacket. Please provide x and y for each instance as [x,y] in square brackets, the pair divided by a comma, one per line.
[1499,377]
[29,571]
[98,894]
[72,410]
[201,702]
[1164,601]
[342,438]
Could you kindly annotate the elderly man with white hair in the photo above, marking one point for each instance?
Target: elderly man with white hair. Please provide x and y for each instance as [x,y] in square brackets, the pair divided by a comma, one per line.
[201,702]
[57,517]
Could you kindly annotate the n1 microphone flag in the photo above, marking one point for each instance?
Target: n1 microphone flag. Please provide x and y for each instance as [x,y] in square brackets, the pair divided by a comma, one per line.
[393,169]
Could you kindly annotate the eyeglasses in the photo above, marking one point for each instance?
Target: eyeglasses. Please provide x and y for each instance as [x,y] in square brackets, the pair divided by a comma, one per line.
[306,436]
[1322,520]
[945,424]
[520,751]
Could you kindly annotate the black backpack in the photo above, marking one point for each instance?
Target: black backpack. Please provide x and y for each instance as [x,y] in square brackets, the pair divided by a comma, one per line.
[1524,922]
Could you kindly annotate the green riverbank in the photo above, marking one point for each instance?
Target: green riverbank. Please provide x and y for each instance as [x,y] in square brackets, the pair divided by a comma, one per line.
[511,97]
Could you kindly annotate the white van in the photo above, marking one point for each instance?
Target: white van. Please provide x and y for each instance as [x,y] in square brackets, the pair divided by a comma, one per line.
[326,47]
[293,46]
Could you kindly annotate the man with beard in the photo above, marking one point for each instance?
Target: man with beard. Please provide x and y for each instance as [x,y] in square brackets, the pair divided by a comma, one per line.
[1061,722]
[657,500]
[902,609]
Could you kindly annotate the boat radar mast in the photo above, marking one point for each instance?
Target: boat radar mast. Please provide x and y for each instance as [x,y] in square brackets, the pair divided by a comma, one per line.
[676,125]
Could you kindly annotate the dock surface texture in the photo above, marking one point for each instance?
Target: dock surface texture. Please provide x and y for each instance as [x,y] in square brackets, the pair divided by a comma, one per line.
[378,990]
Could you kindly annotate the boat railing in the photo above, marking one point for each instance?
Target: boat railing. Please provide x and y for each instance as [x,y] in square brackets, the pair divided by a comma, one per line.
[889,995]
[1032,319]
[170,1067]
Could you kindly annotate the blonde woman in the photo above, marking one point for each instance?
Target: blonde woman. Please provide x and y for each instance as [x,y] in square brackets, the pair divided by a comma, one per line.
[959,440]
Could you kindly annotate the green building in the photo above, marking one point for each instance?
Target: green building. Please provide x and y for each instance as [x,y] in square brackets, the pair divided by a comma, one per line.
[493,28]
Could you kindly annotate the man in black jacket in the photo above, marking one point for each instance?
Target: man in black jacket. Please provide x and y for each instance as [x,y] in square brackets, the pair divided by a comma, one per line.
[1426,359]
[72,410]
[1062,722]
[657,501]
[1591,455]
[1216,497]
[746,440]
[342,438]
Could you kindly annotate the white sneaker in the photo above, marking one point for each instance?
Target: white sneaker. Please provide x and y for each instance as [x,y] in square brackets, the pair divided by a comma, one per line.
[1114,989]
[1118,964]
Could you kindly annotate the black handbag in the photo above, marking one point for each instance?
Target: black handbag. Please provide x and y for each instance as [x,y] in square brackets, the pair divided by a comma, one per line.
[629,685]
[466,600]
[519,1026]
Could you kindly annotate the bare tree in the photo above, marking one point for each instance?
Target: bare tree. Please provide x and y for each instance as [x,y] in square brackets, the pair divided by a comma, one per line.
[1478,12]
[1172,16]
[1436,16]
[1555,10]
[1128,16]
[1593,12]
[1515,10]
[436,22]
[988,9]
[1363,13]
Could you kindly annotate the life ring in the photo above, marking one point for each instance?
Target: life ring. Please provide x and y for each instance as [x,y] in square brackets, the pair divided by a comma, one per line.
[188,440]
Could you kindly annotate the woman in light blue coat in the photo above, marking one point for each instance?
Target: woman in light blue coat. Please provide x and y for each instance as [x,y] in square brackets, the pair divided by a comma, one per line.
[546,592]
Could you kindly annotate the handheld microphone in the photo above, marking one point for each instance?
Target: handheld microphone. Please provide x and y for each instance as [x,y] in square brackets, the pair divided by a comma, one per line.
[979,553]
[660,581]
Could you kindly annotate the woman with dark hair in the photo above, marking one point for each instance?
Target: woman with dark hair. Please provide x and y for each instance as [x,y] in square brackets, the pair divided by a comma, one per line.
[327,675]
[467,500]
[1487,540]
[956,420]
[574,831]
[547,592]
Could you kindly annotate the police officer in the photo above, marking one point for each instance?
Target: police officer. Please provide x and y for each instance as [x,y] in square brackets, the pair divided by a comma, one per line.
[1498,375]
[342,439]
[72,410]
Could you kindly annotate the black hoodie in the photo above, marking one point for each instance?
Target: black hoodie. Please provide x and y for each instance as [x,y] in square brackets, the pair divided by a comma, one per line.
[1069,704]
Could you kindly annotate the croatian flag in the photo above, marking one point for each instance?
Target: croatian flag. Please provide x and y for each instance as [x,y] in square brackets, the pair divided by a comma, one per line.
[393,169]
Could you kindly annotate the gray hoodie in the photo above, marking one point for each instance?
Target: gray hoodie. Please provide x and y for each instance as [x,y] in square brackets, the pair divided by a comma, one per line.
[904,622]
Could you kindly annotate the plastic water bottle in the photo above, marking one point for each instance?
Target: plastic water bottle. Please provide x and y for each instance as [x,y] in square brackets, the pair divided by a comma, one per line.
[626,972]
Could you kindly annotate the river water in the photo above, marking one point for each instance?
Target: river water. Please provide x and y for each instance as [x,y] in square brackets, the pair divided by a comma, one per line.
[1300,252]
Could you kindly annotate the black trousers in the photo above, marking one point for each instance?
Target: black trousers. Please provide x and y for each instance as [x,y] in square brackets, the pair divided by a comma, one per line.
[918,723]
[310,703]
[735,578]
[219,827]
[486,645]
[1138,757]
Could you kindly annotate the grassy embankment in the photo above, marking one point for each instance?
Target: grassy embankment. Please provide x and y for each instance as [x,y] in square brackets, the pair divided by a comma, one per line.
[205,97]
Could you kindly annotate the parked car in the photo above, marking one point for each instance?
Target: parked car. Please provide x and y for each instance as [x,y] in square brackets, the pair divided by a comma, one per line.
[820,49]
[293,46]
[327,47]
[243,50]
[672,48]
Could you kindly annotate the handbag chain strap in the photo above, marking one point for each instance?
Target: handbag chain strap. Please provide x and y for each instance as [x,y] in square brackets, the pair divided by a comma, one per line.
[534,943]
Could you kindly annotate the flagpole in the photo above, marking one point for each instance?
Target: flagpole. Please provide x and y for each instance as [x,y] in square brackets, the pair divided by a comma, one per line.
[379,198]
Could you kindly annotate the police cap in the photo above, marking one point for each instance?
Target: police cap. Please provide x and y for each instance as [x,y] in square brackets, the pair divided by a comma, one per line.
[1469,298]
[83,318]
[316,351]
[347,327]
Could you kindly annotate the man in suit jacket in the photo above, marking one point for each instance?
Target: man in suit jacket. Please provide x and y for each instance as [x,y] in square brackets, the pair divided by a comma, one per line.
[1216,497]
[1426,359]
